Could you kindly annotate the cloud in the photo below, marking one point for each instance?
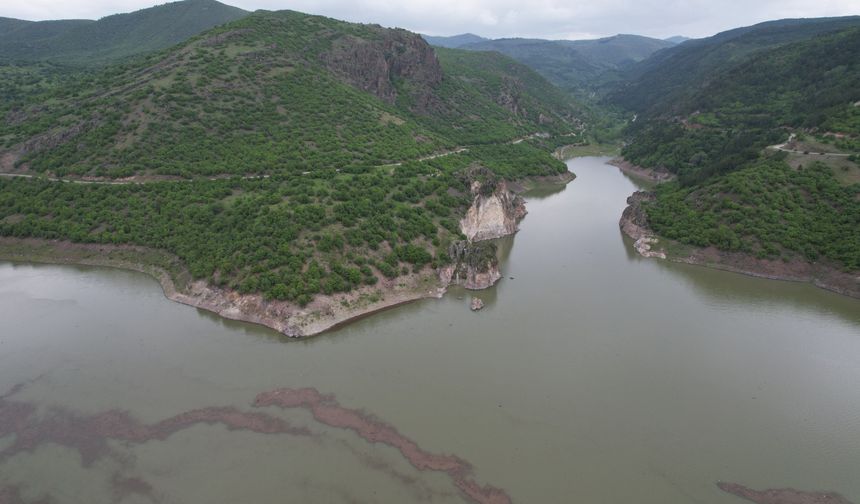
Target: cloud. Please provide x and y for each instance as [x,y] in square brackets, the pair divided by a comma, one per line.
[501,18]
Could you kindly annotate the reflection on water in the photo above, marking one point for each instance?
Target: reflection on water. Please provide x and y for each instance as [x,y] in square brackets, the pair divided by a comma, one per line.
[593,375]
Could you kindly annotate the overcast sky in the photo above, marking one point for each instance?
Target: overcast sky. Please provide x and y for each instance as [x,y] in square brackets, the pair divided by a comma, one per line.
[557,19]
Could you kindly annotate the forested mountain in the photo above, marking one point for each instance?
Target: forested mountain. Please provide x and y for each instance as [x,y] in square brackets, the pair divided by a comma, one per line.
[656,84]
[280,91]
[709,123]
[454,41]
[579,66]
[726,119]
[112,37]
[327,122]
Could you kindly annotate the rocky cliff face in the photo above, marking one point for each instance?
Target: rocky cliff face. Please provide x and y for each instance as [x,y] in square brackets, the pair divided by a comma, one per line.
[374,65]
[634,223]
[494,213]
[473,265]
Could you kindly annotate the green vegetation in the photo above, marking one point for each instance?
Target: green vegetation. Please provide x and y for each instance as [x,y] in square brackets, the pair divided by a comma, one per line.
[274,166]
[255,97]
[113,37]
[766,209]
[290,236]
[654,86]
[743,91]
[578,66]
[810,84]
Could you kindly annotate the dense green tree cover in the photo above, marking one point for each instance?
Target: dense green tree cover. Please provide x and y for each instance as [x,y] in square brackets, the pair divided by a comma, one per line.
[767,209]
[710,119]
[742,109]
[290,236]
[655,86]
[113,37]
[291,179]
[255,97]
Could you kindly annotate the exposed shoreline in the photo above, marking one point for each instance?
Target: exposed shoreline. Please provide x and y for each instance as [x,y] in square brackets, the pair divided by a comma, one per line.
[323,314]
[633,170]
[634,224]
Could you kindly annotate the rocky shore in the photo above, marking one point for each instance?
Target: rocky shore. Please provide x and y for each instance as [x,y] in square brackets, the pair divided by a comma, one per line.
[650,174]
[634,223]
[494,213]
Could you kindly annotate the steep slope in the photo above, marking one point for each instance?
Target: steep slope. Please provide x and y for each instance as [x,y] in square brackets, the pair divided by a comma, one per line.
[654,85]
[728,119]
[112,37]
[454,41]
[578,65]
[765,211]
[281,91]
[319,174]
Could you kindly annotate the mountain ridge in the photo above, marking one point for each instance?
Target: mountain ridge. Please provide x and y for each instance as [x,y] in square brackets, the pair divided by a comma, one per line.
[112,37]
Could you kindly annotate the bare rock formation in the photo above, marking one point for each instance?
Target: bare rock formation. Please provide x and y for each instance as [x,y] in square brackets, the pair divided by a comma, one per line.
[634,223]
[477,304]
[374,65]
[473,265]
[496,211]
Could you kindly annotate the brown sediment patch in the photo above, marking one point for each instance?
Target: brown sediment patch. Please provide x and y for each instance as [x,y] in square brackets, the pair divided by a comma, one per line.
[782,495]
[89,435]
[325,409]
[11,494]
[421,492]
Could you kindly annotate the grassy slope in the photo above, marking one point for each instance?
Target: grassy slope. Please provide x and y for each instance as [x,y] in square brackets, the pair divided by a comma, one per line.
[252,97]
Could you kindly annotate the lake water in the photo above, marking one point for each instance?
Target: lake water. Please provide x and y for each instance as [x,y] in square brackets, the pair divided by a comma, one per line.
[592,376]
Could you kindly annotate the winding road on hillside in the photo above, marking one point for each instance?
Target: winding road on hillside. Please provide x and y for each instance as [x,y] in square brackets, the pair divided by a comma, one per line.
[784,148]
[133,180]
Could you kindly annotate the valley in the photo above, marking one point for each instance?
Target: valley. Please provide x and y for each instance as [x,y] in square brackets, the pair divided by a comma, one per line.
[268,255]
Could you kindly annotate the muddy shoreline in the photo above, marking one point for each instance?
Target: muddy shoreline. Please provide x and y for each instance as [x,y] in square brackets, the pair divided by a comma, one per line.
[633,223]
[324,313]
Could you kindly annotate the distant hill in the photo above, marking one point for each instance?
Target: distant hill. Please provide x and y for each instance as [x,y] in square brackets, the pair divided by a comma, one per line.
[579,66]
[454,41]
[112,37]
[658,84]
[677,39]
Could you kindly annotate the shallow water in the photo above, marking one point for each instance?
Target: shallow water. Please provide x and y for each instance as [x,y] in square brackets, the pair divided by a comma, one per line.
[593,375]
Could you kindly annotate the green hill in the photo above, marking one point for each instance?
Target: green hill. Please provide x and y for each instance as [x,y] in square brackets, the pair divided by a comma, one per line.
[112,37]
[580,66]
[325,121]
[656,84]
[733,193]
